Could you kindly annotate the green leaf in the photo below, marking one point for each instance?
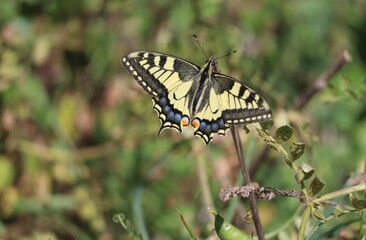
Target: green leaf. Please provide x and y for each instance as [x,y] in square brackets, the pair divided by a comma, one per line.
[297,150]
[338,211]
[359,204]
[267,124]
[246,129]
[284,133]
[315,186]
[307,170]
[227,231]
[318,214]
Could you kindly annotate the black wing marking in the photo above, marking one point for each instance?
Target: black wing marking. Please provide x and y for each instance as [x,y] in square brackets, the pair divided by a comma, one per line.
[158,73]
[240,104]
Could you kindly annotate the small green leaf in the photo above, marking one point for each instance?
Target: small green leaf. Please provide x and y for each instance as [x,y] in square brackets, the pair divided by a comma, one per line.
[315,186]
[297,150]
[359,204]
[338,211]
[284,133]
[318,214]
[267,124]
[307,170]
[246,129]
[227,231]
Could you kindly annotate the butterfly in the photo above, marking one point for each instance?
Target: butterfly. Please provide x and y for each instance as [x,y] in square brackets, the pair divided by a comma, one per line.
[184,93]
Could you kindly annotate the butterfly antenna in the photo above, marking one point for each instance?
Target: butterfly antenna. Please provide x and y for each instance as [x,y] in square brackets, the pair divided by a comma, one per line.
[198,42]
[227,54]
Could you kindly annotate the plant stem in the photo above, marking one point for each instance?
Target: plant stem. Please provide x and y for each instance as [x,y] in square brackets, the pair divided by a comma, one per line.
[304,222]
[342,192]
[245,173]
[204,182]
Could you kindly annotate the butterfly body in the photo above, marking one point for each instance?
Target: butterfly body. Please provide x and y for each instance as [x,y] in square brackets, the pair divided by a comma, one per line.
[184,93]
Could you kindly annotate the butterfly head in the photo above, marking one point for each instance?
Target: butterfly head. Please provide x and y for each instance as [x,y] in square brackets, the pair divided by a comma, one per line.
[213,65]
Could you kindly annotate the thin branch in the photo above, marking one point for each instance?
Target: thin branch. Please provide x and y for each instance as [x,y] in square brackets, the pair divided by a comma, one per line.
[264,193]
[322,81]
[339,193]
[245,173]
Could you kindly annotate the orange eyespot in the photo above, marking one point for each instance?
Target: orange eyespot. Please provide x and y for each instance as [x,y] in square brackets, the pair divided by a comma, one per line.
[196,123]
[185,121]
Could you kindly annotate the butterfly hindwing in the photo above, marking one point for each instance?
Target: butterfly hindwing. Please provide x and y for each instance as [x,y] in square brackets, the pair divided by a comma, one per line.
[230,102]
[241,104]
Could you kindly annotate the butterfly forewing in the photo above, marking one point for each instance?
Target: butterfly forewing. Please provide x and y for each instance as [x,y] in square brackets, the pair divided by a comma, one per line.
[158,73]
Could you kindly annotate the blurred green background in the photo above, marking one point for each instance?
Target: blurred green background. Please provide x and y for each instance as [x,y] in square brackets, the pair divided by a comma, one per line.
[78,136]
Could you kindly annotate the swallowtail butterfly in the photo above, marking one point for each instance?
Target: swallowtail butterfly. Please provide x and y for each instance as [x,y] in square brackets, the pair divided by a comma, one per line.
[184,93]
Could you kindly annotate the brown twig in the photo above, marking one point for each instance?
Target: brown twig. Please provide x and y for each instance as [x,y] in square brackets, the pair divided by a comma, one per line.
[264,193]
[319,84]
[322,81]
[245,173]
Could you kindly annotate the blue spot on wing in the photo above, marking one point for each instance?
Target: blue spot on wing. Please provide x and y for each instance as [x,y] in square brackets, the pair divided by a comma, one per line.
[215,127]
[169,116]
[208,128]
[178,117]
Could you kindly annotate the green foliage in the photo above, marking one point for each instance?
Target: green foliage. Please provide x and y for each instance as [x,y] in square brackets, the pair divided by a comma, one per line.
[79,138]
[7,172]
[126,224]
[284,133]
[297,150]
[357,202]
